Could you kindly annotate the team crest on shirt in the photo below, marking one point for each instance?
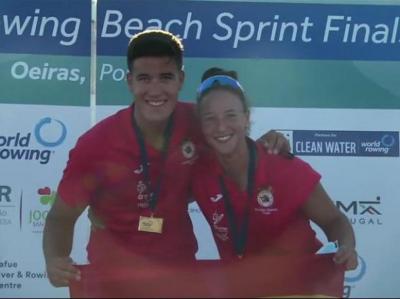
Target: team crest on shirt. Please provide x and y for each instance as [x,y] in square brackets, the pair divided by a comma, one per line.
[265,197]
[266,201]
[188,151]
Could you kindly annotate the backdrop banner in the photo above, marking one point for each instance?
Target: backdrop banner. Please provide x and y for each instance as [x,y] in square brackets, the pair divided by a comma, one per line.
[44,107]
[324,73]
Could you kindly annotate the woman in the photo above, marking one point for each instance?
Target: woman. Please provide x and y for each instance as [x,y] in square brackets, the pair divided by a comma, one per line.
[258,204]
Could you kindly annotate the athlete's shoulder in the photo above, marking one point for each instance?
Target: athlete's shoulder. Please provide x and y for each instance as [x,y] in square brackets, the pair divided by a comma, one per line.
[111,125]
[283,164]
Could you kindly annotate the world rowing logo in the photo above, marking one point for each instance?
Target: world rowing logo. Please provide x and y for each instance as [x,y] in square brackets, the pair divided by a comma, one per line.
[50,132]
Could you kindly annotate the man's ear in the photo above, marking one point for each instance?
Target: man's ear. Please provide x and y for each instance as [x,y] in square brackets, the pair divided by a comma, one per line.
[129,79]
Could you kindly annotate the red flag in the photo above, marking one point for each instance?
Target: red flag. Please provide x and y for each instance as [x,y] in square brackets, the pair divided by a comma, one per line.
[255,276]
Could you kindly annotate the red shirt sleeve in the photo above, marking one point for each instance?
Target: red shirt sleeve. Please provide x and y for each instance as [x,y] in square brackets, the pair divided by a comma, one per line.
[79,180]
[295,178]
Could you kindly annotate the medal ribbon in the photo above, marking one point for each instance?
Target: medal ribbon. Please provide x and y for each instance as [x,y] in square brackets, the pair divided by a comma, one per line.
[154,194]
[240,236]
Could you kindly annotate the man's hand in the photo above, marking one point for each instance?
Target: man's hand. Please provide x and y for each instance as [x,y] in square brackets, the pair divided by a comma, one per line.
[61,270]
[275,143]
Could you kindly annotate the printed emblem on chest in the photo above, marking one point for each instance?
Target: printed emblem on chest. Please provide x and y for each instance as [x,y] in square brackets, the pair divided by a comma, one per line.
[143,197]
[189,153]
[221,232]
[138,170]
[266,201]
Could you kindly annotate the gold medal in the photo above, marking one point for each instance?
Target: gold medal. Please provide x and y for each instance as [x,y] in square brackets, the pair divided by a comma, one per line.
[150,224]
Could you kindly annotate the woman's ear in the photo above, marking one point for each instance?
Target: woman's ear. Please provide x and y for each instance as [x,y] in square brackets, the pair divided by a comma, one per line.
[248,118]
[247,115]
[181,78]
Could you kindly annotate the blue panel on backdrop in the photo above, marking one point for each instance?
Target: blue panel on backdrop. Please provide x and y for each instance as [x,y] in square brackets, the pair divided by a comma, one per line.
[45,27]
[257,30]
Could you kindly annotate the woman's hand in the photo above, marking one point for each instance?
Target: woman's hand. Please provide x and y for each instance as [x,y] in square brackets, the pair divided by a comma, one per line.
[348,256]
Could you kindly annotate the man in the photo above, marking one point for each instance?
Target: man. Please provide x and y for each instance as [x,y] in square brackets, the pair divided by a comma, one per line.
[133,169]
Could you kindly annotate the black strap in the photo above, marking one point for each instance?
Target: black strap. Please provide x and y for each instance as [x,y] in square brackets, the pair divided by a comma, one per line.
[240,236]
[154,194]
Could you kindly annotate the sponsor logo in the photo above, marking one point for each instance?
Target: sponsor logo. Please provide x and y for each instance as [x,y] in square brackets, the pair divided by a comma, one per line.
[221,232]
[47,197]
[43,138]
[343,143]
[5,194]
[363,212]
[7,205]
[217,218]
[142,195]
[48,133]
[141,187]
[138,170]
[216,198]
[37,217]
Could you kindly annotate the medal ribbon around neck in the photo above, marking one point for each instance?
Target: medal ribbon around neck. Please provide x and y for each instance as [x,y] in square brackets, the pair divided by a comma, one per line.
[154,194]
[240,236]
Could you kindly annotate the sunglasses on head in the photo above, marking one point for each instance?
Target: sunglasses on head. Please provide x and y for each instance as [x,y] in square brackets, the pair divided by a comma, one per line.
[219,80]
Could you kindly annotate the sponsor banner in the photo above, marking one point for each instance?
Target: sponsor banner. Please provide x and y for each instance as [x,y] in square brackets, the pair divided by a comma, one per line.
[18,272]
[274,73]
[298,59]
[45,51]
[257,29]
[22,221]
[33,154]
[45,65]
[276,83]
[40,79]
[45,27]
[22,218]
[343,143]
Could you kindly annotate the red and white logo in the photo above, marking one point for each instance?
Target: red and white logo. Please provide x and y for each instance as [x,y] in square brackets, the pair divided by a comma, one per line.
[265,197]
